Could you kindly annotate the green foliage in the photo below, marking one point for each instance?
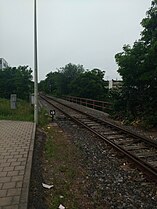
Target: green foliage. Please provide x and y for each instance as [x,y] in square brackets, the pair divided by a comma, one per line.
[75,80]
[58,83]
[89,84]
[51,84]
[23,112]
[49,148]
[138,68]
[15,81]
[69,73]
[43,117]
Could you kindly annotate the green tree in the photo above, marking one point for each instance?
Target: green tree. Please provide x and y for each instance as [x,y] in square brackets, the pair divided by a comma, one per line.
[74,80]
[52,83]
[59,83]
[90,84]
[69,73]
[17,81]
[138,68]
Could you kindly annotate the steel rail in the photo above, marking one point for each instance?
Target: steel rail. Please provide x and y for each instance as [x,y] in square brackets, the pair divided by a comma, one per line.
[136,135]
[143,166]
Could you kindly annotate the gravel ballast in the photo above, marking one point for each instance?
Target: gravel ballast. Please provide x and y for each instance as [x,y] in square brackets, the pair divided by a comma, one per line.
[114,182]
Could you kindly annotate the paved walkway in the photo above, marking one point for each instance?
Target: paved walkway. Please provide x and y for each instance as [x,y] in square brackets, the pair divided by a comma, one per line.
[16,150]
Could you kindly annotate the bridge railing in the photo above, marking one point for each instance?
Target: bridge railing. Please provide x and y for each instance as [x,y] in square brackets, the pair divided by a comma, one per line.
[95,104]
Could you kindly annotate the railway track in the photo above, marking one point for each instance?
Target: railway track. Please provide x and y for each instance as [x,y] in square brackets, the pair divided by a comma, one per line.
[139,149]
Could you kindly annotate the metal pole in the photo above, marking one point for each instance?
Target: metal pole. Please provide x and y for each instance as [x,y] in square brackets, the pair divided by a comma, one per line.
[35,67]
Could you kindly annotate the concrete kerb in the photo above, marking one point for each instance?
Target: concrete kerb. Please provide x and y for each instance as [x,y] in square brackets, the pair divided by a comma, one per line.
[26,181]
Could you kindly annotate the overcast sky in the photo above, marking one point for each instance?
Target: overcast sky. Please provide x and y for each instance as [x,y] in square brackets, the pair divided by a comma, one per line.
[87,32]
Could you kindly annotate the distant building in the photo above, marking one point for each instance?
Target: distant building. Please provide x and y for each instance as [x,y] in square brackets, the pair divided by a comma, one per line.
[115,84]
[3,63]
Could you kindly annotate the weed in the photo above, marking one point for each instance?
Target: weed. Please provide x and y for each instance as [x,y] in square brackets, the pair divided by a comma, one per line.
[49,148]
[43,117]
[63,169]
[23,111]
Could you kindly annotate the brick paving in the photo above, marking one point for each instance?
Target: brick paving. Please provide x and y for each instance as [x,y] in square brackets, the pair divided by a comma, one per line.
[16,150]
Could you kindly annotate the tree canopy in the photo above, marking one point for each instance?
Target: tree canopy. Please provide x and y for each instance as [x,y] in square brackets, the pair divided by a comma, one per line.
[15,81]
[76,81]
[138,68]
[89,84]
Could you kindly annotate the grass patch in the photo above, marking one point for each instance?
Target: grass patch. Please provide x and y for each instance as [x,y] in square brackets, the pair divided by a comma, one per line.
[64,170]
[43,117]
[49,148]
[23,112]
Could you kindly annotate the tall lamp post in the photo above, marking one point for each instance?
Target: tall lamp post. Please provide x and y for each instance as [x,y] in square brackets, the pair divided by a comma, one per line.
[35,66]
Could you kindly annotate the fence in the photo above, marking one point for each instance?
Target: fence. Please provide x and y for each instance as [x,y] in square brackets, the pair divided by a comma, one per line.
[95,104]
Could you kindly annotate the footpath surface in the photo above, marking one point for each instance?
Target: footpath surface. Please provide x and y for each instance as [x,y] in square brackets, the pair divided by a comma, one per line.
[16,151]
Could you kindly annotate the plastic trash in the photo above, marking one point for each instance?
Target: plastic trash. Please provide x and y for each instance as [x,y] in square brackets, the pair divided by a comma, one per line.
[61,206]
[47,186]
